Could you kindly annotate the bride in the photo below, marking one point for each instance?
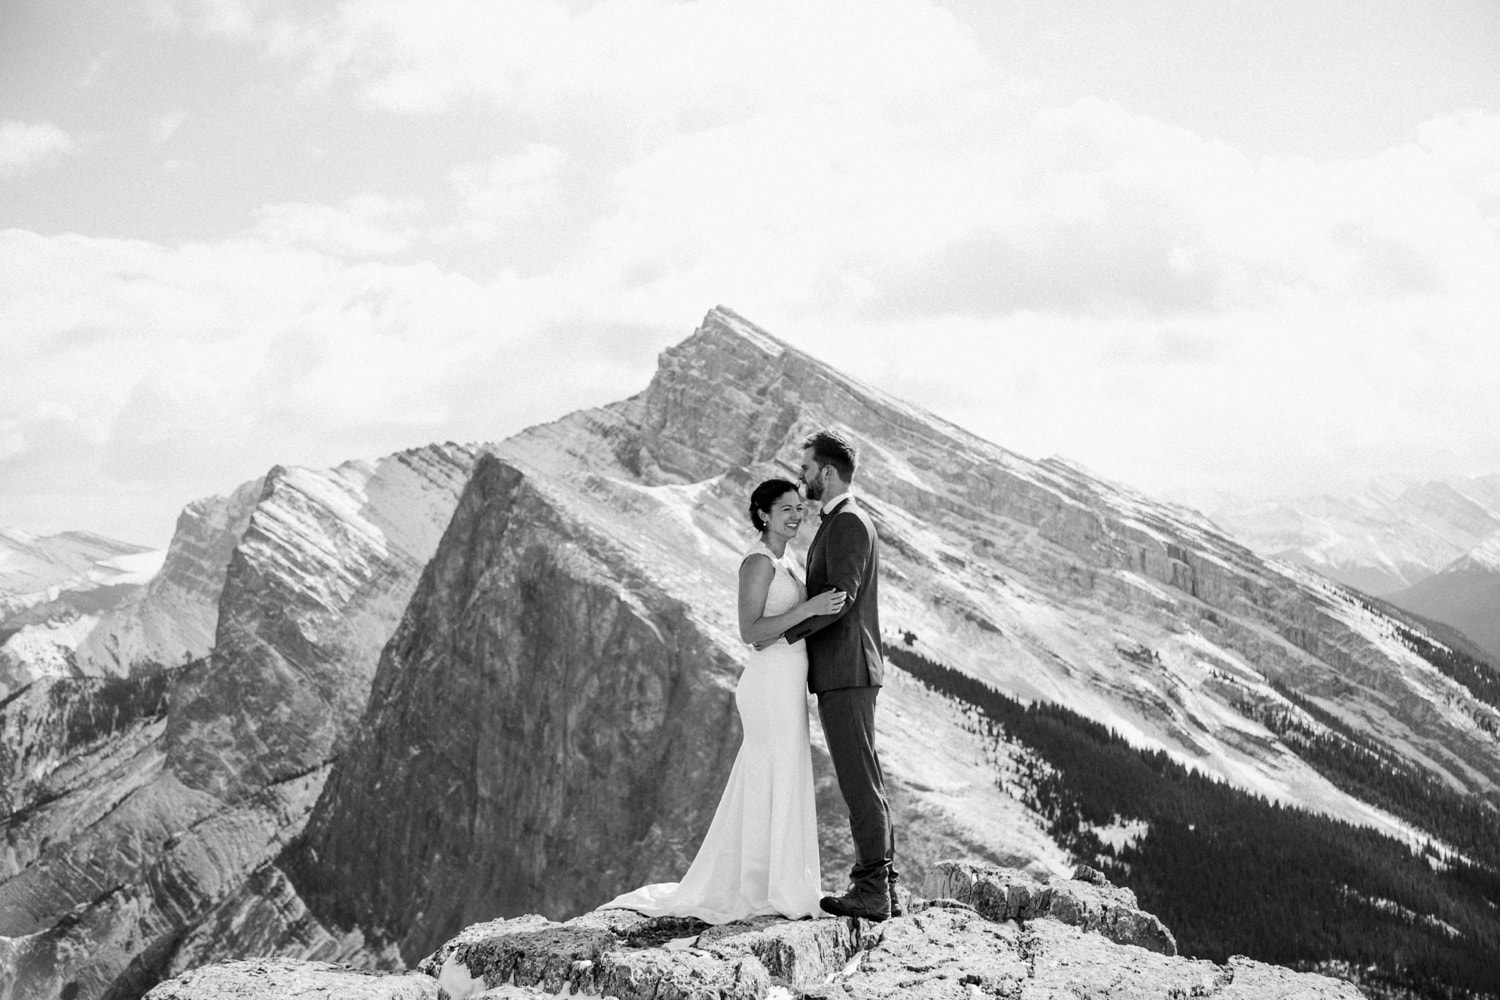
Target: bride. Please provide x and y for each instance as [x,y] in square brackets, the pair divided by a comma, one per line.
[760,855]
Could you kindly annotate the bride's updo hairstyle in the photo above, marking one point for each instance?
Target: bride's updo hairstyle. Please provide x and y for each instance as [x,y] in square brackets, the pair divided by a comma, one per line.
[763,496]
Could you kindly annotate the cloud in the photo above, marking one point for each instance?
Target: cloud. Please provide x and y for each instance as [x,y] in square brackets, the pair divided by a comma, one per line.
[511,187]
[622,61]
[190,369]
[363,226]
[892,172]
[1468,147]
[234,19]
[168,124]
[25,145]
[1093,209]
[1081,279]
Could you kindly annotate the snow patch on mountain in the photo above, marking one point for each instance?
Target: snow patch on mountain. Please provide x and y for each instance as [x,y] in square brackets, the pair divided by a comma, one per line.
[41,650]
[137,568]
[1121,833]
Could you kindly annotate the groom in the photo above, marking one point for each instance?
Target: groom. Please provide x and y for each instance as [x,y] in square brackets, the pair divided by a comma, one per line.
[844,667]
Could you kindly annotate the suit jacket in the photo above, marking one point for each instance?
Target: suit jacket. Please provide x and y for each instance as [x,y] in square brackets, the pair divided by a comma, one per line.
[843,650]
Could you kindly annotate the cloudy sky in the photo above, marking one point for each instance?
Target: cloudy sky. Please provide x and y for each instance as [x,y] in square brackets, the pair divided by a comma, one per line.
[1249,247]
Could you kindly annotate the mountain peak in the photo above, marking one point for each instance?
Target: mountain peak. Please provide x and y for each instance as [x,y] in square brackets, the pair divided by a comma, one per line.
[1484,557]
[721,322]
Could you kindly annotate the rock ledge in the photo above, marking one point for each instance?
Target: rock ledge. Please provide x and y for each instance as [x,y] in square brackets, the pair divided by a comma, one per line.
[990,932]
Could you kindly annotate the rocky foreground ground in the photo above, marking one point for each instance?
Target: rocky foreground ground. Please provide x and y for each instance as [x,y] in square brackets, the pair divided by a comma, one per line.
[973,931]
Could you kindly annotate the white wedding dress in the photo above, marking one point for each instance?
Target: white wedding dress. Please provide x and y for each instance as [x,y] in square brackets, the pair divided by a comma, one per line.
[760,855]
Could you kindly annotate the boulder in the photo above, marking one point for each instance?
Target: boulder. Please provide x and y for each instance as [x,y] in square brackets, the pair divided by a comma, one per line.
[1087,901]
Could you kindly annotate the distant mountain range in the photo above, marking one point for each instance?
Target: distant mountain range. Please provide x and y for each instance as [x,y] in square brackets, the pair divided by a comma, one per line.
[52,591]
[1464,594]
[1385,539]
[1432,547]
[36,568]
[362,707]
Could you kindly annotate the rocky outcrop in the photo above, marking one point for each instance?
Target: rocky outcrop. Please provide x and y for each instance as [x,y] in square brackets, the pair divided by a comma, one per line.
[1087,901]
[321,574]
[1021,940]
[292,979]
[944,948]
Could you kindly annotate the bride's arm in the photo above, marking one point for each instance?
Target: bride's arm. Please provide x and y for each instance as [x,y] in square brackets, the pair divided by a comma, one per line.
[756,573]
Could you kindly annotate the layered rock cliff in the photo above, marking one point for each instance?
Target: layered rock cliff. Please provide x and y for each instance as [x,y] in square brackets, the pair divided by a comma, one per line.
[173,620]
[543,704]
[145,804]
[325,565]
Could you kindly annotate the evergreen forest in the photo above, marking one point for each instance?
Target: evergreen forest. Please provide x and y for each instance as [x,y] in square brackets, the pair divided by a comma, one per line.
[1231,873]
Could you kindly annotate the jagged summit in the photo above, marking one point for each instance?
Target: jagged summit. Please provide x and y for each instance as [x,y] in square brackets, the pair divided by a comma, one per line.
[732,366]
[724,321]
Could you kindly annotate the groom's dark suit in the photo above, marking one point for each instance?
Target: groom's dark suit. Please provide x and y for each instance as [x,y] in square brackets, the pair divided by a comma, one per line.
[845,666]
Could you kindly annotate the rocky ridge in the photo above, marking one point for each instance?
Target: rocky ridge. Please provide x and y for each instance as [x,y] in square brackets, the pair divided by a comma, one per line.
[173,620]
[981,932]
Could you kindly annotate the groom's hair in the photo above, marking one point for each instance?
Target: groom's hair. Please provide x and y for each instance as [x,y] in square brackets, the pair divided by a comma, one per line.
[832,448]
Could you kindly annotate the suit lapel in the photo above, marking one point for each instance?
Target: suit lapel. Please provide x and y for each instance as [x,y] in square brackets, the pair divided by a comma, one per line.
[815,556]
[815,550]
